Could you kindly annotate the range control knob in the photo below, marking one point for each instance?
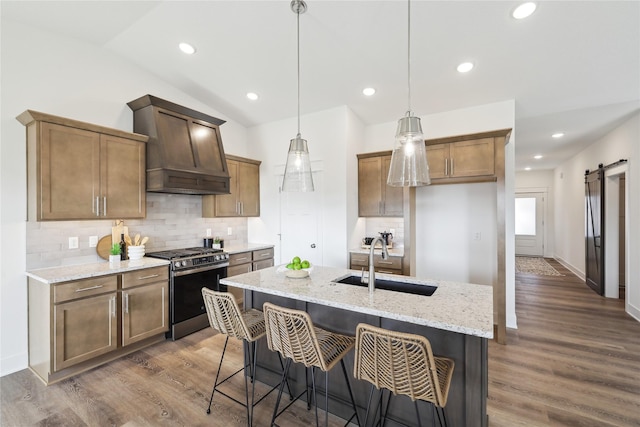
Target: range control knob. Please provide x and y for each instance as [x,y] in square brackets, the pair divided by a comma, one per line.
[177,264]
[217,258]
[184,263]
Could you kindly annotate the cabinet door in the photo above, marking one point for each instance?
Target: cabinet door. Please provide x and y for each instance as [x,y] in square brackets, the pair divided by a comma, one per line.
[122,178]
[369,189]
[438,160]
[145,312]
[69,173]
[238,269]
[392,197]
[472,158]
[265,263]
[249,189]
[227,204]
[84,329]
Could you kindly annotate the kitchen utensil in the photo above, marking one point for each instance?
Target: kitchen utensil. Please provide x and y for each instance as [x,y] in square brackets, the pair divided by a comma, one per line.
[117,231]
[145,239]
[367,240]
[388,237]
[103,248]
[127,240]
[136,240]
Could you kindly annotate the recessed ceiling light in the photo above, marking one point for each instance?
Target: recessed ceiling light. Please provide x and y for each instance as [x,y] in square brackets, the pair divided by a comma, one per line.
[187,48]
[465,67]
[524,10]
[528,168]
[557,135]
[368,91]
[252,96]
[537,156]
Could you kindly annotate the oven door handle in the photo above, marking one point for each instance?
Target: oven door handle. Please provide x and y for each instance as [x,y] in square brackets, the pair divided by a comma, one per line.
[199,269]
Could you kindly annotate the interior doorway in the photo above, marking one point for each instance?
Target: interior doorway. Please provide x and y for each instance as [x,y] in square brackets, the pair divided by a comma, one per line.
[616,262]
[529,223]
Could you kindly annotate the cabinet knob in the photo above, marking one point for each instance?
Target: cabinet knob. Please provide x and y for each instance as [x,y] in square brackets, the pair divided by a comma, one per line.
[313,246]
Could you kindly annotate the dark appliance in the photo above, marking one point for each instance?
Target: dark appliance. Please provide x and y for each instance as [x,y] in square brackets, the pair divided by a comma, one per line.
[185,154]
[191,269]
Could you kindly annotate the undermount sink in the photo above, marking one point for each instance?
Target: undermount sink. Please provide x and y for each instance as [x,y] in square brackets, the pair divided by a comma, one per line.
[391,285]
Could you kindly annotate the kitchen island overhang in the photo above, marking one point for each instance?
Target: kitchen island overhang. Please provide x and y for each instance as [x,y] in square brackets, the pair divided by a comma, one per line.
[457,319]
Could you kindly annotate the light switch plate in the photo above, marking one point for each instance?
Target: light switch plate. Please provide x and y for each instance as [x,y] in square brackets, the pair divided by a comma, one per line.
[229,231]
[208,232]
[93,241]
[73,243]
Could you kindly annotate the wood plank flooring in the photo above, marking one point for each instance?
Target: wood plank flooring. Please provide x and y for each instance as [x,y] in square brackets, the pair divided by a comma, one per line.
[574,361]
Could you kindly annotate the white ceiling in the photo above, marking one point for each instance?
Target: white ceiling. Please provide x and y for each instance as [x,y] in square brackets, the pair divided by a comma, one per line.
[573,66]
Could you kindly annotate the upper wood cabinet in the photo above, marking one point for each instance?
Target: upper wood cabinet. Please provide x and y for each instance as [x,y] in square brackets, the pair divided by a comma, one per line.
[77,170]
[244,199]
[461,161]
[375,197]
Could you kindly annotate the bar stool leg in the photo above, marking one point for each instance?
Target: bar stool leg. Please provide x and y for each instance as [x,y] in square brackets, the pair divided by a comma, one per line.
[215,384]
[366,417]
[353,401]
[285,371]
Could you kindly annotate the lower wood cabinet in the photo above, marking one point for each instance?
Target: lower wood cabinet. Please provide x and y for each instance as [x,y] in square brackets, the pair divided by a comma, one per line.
[245,262]
[78,325]
[391,265]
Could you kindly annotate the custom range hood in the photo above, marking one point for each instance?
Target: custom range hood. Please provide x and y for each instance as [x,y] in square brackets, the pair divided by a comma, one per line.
[184,153]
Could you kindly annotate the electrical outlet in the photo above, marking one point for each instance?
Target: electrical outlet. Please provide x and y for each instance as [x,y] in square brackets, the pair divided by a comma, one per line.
[208,232]
[73,243]
[477,236]
[229,231]
[93,241]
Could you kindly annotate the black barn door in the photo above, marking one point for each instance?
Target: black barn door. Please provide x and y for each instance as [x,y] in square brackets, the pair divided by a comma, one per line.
[594,239]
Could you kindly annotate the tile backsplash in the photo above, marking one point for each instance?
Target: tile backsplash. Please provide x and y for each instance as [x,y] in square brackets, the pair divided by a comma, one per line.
[173,221]
[376,225]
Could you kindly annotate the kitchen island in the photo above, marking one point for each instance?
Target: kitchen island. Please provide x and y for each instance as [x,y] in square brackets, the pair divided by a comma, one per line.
[457,319]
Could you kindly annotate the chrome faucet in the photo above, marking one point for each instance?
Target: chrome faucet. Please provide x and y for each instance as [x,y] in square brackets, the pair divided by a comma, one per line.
[385,255]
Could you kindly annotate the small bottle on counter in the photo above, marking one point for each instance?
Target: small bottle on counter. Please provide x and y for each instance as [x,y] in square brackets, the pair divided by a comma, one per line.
[123,248]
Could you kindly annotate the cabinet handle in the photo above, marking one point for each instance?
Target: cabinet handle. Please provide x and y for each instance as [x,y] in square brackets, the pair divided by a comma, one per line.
[112,306]
[267,255]
[238,208]
[386,271]
[241,208]
[241,259]
[97,206]
[89,288]
[151,276]
[385,262]
[446,167]
[104,202]
[451,167]
[126,303]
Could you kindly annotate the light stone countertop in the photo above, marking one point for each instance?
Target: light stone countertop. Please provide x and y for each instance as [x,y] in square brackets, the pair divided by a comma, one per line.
[457,307]
[234,249]
[68,273]
[398,252]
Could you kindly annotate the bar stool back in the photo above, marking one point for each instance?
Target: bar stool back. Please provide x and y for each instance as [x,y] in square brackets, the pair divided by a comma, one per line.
[226,317]
[293,334]
[403,364]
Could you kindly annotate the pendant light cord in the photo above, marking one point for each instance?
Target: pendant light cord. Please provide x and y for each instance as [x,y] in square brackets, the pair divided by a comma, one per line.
[298,29]
[409,54]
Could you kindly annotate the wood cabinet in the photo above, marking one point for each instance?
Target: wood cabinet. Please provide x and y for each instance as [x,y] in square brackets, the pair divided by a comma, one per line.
[245,262]
[244,199]
[77,170]
[461,161]
[375,197]
[78,325]
[391,265]
[145,308]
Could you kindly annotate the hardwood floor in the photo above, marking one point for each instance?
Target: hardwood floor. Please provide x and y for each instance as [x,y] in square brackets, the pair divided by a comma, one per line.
[574,361]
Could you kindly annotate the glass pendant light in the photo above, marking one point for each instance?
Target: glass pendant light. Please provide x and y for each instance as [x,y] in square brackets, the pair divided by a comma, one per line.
[297,172]
[409,166]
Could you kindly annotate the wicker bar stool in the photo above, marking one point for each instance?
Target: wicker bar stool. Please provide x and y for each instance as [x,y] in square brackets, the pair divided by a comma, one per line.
[292,334]
[226,317]
[403,364]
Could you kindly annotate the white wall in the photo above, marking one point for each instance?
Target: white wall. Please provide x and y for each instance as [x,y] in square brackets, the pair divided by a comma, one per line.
[541,181]
[622,143]
[333,137]
[448,216]
[68,78]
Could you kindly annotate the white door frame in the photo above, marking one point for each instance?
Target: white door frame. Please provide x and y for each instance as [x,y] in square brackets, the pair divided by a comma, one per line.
[611,231]
[545,214]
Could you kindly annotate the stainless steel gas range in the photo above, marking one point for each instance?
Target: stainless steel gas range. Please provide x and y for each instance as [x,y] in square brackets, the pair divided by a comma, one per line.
[191,270]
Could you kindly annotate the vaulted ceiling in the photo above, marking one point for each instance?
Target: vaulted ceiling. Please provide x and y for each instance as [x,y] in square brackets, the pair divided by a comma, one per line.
[572,66]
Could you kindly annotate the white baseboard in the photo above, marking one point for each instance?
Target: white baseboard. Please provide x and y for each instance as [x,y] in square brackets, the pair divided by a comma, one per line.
[13,364]
[512,321]
[571,268]
[633,311]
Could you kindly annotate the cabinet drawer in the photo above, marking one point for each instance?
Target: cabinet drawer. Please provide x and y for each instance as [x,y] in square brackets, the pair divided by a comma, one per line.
[84,288]
[143,277]
[263,254]
[388,270]
[240,258]
[238,269]
[359,260]
[393,262]
[265,263]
